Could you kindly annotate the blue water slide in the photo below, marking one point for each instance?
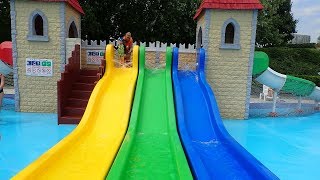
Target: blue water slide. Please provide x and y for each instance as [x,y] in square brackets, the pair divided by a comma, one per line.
[211,151]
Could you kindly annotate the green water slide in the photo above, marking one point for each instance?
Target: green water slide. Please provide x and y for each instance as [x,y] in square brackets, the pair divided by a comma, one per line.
[298,86]
[152,148]
[261,63]
[265,75]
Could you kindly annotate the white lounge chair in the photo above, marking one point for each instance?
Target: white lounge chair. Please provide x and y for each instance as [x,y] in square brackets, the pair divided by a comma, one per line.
[267,93]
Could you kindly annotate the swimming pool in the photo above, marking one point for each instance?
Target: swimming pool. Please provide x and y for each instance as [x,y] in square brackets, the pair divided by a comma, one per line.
[25,136]
[289,147]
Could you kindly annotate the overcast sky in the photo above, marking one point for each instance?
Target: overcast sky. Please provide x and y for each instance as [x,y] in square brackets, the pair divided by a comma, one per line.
[308,14]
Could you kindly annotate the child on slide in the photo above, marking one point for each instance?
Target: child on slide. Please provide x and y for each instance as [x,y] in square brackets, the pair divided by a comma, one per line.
[128,43]
[121,53]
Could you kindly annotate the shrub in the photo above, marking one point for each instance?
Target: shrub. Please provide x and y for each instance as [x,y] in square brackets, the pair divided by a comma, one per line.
[307,45]
[295,61]
[315,79]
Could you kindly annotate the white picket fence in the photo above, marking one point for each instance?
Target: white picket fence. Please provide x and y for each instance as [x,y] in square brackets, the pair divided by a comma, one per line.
[153,46]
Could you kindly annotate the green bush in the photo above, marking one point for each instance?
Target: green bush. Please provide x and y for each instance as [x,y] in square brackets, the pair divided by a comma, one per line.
[315,79]
[307,45]
[294,61]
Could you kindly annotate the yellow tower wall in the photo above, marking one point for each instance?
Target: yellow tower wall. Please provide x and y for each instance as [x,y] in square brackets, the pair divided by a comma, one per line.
[200,23]
[72,15]
[228,70]
[38,94]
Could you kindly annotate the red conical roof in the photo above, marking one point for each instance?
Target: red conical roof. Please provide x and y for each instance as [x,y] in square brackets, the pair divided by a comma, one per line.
[74,3]
[229,5]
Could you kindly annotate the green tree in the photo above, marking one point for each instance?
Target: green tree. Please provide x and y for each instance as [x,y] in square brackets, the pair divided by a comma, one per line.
[5,22]
[167,21]
[275,23]
[150,20]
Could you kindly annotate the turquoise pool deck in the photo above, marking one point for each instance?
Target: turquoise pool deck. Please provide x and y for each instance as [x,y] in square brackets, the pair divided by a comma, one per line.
[289,146]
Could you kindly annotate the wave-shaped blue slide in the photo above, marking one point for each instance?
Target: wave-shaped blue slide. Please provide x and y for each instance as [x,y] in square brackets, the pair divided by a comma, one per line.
[212,153]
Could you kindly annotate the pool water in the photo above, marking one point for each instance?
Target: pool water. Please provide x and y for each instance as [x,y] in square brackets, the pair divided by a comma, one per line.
[25,136]
[289,147]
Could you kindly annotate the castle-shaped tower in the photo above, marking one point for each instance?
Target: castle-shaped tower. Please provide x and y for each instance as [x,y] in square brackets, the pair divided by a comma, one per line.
[227,31]
[40,30]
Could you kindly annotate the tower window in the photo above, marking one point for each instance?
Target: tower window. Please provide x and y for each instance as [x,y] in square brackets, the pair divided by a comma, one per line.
[38,26]
[73,31]
[230,35]
[199,42]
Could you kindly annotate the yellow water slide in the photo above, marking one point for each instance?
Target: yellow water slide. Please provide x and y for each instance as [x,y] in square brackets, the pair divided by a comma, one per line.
[88,151]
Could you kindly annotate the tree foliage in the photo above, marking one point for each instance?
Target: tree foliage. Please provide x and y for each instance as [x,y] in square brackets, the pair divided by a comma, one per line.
[5,23]
[294,61]
[149,20]
[275,23]
[166,21]
[172,21]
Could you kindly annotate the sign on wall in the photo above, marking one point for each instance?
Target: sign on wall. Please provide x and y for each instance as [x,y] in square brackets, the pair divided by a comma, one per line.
[39,67]
[95,56]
